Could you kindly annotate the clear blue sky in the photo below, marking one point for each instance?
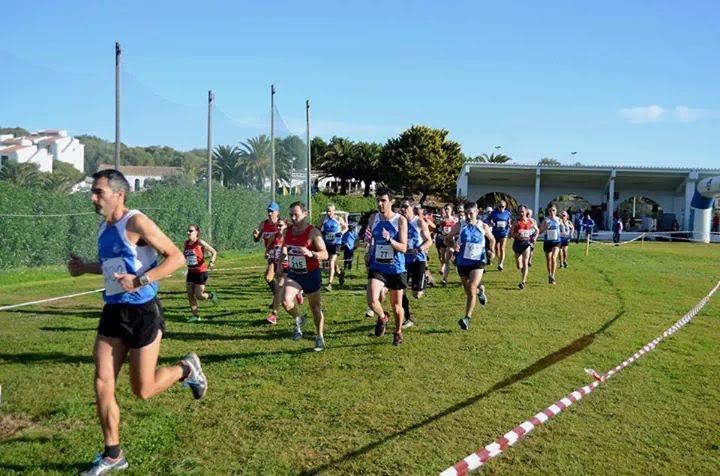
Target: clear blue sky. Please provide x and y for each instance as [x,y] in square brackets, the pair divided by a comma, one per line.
[633,83]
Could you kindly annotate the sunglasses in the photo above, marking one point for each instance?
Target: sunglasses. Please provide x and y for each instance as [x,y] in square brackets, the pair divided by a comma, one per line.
[190,231]
[404,205]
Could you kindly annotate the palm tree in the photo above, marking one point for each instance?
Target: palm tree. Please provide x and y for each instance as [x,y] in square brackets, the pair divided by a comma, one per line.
[226,159]
[366,163]
[255,163]
[337,161]
[492,158]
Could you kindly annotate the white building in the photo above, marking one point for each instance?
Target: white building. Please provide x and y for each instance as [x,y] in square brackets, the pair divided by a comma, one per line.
[136,175]
[42,148]
[603,187]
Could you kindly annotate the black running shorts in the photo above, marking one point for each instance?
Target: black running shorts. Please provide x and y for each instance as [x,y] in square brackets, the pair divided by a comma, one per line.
[416,275]
[136,324]
[391,281]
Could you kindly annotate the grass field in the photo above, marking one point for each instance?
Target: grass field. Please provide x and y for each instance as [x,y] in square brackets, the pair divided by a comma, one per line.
[366,407]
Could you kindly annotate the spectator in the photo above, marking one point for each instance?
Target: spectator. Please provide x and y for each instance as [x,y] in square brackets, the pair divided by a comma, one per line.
[617,227]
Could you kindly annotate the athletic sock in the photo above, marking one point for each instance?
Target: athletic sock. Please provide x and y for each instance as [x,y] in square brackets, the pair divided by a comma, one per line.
[112,451]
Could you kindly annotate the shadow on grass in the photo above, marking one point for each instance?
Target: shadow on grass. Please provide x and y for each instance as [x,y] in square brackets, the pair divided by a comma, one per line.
[60,312]
[539,365]
[41,467]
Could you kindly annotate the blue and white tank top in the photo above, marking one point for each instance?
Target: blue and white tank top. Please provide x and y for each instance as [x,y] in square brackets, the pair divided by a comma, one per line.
[383,257]
[118,255]
[415,241]
[500,221]
[331,231]
[472,245]
[564,230]
[552,230]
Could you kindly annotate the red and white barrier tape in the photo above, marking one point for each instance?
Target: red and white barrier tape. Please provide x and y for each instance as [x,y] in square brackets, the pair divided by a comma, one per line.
[482,456]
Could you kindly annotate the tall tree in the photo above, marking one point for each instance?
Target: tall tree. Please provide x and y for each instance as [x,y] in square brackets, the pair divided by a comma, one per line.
[365,157]
[227,164]
[492,158]
[422,160]
[337,161]
[256,162]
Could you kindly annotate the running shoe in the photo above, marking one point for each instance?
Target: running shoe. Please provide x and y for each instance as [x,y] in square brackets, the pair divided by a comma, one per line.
[397,338]
[482,297]
[521,285]
[408,323]
[369,312]
[272,318]
[464,323]
[300,297]
[194,319]
[299,323]
[213,297]
[565,264]
[341,278]
[529,263]
[444,282]
[551,279]
[380,326]
[319,344]
[500,267]
[104,465]
[196,380]
[328,287]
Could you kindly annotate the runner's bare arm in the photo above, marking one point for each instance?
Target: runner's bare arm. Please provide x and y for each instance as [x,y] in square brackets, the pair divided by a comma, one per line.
[140,227]
[213,253]
[317,240]
[425,235]
[256,232]
[490,238]
[76,266]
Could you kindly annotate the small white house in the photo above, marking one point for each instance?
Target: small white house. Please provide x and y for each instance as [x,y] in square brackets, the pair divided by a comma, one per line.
[42,148]
[136,175]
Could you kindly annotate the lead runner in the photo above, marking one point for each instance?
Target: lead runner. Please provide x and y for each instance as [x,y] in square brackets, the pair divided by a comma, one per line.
[131,325]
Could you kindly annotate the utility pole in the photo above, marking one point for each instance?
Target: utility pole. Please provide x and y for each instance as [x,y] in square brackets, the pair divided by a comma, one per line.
[118,52]
[308,193]
[211,98]
[272,141]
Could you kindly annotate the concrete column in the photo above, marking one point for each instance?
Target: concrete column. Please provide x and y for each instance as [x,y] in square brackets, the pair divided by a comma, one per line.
[689,192]
[611,200]
[537,191]
[463,183]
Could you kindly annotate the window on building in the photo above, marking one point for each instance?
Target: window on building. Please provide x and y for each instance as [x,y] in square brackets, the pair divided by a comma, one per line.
[137,184]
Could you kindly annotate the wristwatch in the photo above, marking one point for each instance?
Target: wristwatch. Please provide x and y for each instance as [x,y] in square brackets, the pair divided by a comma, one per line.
[143,278]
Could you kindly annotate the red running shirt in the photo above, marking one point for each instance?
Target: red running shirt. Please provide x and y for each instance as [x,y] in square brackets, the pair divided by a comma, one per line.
[270,234]
[297,261]
[195,257]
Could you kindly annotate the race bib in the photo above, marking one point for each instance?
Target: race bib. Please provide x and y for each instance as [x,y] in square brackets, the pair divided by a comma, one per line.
[564,234]
[474,251]
[500,224]
[298,264]
[552,235]
[525,234]
[446,230]
[191,259]
[330,236]
[269,235]
[109,268]
[384,254]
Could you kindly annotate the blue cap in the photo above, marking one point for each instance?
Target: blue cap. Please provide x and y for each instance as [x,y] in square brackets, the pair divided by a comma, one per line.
[273,207]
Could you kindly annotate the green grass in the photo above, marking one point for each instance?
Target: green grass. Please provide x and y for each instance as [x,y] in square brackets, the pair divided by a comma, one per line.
[365,407]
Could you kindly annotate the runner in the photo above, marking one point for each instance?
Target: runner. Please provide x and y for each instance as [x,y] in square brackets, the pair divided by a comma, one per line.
[269,231]
[131,325]
[447,221]
[428,219]
[529,214]
[197,272]
[332,228]
[418,242]
[566,233]
[474,237]
[587,224]
[500,219]
[304,248]
[551,244]
[386,263]
[349,241]
[522,232]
